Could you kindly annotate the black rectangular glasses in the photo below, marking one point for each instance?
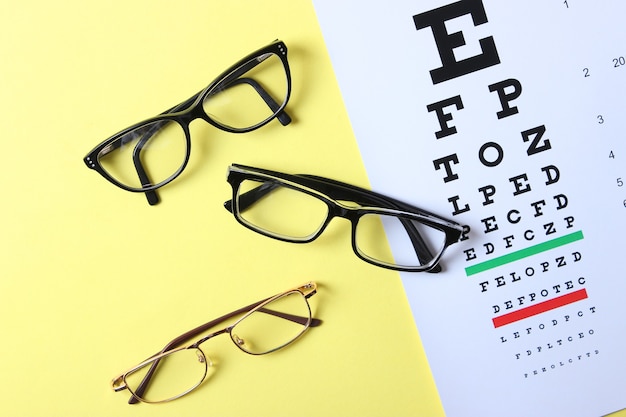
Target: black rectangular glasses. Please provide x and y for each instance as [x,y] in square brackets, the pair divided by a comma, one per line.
[297,208]
[152,153]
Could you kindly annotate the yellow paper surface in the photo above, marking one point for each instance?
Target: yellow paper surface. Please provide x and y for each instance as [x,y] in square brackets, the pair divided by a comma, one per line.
[93,279]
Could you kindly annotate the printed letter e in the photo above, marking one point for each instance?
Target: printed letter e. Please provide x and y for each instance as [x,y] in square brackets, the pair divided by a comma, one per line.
[446,42]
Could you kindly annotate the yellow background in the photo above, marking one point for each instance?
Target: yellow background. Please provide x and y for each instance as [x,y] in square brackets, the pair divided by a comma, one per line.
[93,279]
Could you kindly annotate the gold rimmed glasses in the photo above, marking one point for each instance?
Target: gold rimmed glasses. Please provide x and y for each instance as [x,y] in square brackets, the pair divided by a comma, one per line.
[266,326]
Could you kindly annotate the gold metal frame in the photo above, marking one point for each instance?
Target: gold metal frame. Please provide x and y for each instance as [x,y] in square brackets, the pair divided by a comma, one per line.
[118,383]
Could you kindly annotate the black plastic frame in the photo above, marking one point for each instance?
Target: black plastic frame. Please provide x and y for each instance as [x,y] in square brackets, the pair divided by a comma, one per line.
[191,109]
[330,191]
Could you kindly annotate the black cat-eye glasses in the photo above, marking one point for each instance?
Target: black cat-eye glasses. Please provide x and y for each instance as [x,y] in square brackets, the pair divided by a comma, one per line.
[150,154]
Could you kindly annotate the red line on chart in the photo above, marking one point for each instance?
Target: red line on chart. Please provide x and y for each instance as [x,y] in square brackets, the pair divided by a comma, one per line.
[542,307]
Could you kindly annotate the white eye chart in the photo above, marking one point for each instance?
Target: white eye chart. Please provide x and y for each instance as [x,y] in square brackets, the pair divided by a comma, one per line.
[508,117]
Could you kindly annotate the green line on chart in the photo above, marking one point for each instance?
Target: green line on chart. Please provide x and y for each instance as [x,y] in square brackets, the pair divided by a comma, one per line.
[523,253]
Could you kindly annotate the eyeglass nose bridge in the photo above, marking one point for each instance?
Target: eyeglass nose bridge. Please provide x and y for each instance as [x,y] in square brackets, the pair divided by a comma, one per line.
[193,113]
[211,336]
[349,213]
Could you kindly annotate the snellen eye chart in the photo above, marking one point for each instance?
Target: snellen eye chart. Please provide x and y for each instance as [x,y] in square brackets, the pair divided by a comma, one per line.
[510,118]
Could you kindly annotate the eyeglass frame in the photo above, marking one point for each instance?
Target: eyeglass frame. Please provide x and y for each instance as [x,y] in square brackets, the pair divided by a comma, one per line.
[118,383]
[190,110]
[330,191]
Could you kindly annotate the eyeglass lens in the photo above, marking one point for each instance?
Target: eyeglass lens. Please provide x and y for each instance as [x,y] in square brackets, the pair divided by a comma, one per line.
[266,329]
[176,374]
[159,148]
[289,213]
[282,211]
[375,232]
[274,325]
[260,90]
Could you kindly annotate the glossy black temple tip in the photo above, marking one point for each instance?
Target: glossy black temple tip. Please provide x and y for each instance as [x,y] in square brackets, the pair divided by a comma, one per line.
[152,197]
[436,269]
[132,400]
[228,205]
[283,118]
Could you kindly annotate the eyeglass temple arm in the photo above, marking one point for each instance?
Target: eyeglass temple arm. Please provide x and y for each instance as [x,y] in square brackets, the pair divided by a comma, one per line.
[282,116]
[206,326]
[250,197]
[346,192]
[291,317]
